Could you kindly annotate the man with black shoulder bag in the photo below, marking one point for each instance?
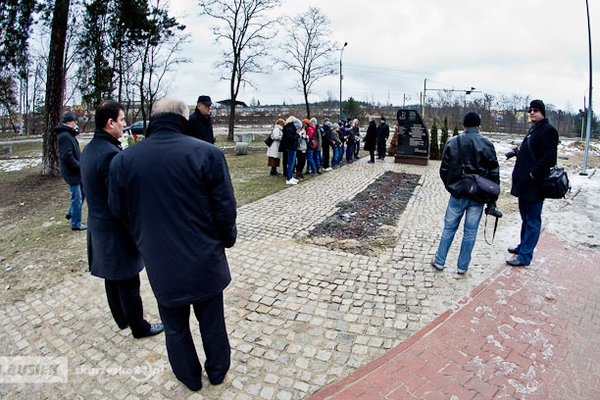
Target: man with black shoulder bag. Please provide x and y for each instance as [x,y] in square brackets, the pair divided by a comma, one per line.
[471,174]
[535,158]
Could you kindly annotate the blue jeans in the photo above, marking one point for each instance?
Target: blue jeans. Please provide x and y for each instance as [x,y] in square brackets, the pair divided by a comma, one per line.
[75,209]
[334,157]
[454,212]
[531,225]
[350,152]
[289,173]
[310,159]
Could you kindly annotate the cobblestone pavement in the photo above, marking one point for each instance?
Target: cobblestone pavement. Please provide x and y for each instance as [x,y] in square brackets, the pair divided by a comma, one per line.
[300,316]
[525,333]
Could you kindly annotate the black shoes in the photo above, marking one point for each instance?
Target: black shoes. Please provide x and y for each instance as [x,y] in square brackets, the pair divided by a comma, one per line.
[67,216]
[155,329]
[81,227]
[513,250]
[514,262]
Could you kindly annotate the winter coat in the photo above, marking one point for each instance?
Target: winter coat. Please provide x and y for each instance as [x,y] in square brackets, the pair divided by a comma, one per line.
[528,174]
[276,135]
[327,135]
[371,137]
[112,253]
[201,127]
[302,144]
[478,157]
[318,138]
[311,142]
[290,138]
[383,132]
[69,153]
[174,192]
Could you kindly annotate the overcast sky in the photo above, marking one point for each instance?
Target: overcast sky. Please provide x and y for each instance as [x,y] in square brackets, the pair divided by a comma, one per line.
[526,47]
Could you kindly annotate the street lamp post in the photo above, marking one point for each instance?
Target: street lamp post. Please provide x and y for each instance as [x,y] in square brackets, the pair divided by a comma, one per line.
[425,89]
[589,113]
[341,77]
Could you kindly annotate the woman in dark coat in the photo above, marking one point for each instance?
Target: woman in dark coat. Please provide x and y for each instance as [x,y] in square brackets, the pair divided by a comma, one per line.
[371,139]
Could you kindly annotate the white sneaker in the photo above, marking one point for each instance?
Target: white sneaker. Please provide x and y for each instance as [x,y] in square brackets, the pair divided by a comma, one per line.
[291,182]
[328,169]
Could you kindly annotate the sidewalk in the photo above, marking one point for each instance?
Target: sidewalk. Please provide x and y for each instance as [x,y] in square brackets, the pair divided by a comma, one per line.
[526,333]
[301,316]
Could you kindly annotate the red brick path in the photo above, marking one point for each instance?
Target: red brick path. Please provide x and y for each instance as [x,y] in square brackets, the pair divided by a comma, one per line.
[525,333]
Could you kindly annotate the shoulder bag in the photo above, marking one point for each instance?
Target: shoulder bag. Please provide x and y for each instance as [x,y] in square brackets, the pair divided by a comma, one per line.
[475,186]
[556,184]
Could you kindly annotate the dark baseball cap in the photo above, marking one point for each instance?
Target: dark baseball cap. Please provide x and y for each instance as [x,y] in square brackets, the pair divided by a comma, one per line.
[205,100]
[68,117]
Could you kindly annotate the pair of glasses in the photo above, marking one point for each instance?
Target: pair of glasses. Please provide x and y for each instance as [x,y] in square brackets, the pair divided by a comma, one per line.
[533,110]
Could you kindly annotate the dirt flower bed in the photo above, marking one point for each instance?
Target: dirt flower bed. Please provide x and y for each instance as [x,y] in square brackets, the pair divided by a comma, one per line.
[367,222]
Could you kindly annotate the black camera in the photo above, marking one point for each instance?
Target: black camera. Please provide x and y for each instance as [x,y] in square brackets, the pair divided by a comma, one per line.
[493,211]
[512,153]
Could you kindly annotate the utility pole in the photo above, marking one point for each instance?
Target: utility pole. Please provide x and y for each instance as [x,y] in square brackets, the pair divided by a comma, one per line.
[341,77]
[589,114]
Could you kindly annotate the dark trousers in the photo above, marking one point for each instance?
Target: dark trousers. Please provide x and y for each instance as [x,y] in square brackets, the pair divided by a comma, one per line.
[325,160]
[180,346]
[126,304]
[531,224]
[381,149]
[372,155]
[300,162]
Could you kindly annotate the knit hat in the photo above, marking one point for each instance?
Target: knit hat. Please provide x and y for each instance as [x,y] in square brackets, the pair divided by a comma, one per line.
[68,117]
[539,105]
[297,123]
[472,119]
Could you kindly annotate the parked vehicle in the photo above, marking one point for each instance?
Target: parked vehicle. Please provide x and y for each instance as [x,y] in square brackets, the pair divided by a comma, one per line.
[137,128]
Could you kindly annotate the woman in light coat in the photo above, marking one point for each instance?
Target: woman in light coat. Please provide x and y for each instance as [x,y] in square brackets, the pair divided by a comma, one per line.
[273,151]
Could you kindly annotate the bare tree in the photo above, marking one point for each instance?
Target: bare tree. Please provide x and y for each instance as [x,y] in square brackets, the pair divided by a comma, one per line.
[54,87]
[244,25]
[307,50]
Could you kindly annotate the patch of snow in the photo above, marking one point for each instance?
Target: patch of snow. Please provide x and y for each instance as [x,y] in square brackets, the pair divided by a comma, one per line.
[522,321]
[19,164]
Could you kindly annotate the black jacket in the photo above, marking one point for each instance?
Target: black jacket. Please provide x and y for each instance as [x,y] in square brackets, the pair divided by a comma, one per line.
[201,127]
[478,157]
[70,154]
[528,175]
[112,253]
[175,194]
[371,137]
[382,132]
[290,138]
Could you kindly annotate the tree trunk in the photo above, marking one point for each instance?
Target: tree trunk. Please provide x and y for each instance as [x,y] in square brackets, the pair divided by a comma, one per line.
[233,96]
[306,102]
[54,88]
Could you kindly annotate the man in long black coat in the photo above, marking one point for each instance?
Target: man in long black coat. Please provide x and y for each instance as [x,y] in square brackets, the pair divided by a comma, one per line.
[201,123]
[382,133]
[175,194]
[371,139]
[536,155]
[70,154]
[112,253]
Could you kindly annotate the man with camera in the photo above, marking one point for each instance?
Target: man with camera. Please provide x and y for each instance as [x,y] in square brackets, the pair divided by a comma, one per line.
[535,157]
[468,153]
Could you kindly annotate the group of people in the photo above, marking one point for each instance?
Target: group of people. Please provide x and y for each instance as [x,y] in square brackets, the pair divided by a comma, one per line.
[297,144]
[167,203]
[472,153]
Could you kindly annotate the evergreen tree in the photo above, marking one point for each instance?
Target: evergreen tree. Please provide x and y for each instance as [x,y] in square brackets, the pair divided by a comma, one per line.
[455,130]
[351,109]
[444,137]
[434,150]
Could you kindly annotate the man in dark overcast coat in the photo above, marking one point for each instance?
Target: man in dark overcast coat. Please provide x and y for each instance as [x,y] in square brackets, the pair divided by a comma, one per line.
[175,194]
[112,253]
[201,123]
[535,157]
